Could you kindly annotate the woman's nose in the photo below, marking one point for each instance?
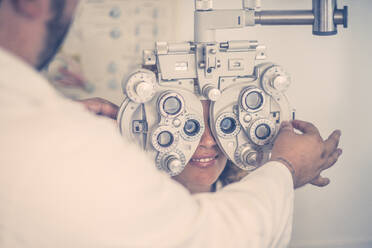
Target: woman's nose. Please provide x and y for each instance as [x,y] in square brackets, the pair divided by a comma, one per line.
[207,140]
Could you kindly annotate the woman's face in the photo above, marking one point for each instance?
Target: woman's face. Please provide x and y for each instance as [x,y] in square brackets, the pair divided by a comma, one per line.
[207,163]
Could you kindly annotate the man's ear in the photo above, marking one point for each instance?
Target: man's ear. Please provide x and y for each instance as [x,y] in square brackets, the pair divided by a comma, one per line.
[31,8]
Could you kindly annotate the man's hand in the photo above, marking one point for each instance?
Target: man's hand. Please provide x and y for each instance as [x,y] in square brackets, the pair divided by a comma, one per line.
[72,79]
[306,155]
[101,106]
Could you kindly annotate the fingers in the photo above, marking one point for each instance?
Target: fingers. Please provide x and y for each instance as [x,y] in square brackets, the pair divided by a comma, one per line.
[67,83]
[92,104]
[332,159]
[323,181]
[101,107]
[110,110]
[320,181]
[305,127]
[70,74]
[71,78]
[286,126]
[332,142]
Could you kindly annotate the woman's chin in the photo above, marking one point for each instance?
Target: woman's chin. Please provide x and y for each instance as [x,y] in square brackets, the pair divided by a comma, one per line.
[203,175]
[200,175]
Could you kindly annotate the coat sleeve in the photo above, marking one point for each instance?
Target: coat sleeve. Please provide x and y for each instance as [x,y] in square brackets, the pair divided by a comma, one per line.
[80,185]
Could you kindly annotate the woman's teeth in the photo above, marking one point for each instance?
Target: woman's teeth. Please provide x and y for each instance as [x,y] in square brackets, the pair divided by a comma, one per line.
[203,160]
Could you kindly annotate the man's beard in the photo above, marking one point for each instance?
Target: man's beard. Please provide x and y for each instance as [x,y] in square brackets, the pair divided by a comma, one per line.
[56,32]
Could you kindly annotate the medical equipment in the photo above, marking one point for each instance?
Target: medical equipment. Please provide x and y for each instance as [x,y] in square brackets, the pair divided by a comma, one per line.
[162,111]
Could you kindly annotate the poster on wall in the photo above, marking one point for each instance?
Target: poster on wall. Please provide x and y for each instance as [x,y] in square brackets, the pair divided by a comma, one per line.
[105,43]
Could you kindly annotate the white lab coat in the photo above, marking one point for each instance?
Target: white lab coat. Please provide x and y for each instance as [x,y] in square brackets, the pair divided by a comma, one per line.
[67,179]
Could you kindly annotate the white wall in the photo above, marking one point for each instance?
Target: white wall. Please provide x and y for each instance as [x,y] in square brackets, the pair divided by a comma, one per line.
[331,87]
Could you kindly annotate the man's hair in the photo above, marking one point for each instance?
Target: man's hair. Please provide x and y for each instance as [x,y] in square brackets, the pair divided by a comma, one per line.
[57,29]
[57,6]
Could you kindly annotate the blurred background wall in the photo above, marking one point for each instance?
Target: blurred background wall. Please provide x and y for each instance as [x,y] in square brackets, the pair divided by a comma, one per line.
[331,87]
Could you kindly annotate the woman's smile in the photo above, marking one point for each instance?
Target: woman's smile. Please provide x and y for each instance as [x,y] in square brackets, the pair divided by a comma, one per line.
[204,162]
[207,163]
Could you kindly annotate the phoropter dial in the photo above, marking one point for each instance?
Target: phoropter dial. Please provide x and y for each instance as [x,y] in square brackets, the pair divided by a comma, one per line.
[247,158]
[172,163]
[275,79]
[164,139]
[262,131]
[193,128]
[252,99]
[171,104]
[227,125]
[140,86]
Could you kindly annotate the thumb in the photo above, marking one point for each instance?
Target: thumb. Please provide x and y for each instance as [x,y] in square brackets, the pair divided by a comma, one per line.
[320,181]
[286,126]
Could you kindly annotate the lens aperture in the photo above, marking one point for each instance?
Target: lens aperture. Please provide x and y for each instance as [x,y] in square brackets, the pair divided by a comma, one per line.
[228,125]
[172,105]
[192,127]
[263,131]
[254,100]
[165,139]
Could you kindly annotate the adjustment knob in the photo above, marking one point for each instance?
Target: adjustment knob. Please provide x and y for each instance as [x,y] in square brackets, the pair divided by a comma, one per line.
[281,82]
[262,131]
[211,93]
[249,157]
[173,164]
[140,86]
[275,79]
[144,89]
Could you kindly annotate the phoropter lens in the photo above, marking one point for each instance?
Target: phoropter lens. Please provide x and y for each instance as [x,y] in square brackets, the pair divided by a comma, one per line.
[192,127]
[254,100]
[228,125]
[165,139]
[263,131]
[172,105]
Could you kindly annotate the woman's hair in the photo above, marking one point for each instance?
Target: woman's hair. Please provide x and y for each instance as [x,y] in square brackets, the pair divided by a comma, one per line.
[231,174]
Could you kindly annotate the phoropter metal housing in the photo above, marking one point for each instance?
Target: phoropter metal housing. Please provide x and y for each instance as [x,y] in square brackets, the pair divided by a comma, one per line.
[162,111]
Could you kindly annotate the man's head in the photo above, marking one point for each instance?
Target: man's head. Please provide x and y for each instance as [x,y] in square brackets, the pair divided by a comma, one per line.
[57,28]
[34,29]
